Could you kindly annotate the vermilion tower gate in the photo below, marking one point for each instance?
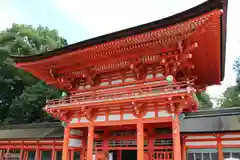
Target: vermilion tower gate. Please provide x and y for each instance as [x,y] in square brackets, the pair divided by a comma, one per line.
[127,89]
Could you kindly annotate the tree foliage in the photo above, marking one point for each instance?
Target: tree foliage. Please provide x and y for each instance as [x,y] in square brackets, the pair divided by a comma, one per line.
[204,100]
[22,96]
[231,97]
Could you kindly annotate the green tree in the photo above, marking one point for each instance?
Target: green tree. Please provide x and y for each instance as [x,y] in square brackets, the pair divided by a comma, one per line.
[204,100]
[231,97]
[20,91]
[28,106]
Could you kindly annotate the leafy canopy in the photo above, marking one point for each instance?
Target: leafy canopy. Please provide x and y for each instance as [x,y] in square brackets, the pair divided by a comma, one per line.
[231,97]
[22,96]
[204,100]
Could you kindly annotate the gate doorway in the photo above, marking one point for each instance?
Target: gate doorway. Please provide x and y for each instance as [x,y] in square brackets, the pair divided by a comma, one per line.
[129,154]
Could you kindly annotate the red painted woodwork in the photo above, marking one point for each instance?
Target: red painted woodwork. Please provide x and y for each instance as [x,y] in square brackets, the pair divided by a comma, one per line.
[139,82]
[176,136]
[162,155]
[66,143]
[90,141]
[140,139]
[124,93]
[48,144]
[119,54]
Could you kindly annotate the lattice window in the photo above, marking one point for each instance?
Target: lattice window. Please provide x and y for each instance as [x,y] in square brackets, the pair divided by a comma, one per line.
[231,153]
[124,133]
[163,142]
[202,154]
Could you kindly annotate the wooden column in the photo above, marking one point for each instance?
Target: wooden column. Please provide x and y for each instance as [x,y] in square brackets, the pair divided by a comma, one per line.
[21,152]
[151,138]
[37,154]
[90,142]
[1,154]
[184,149]
[40,155]
[71,154]
[54,151]
[176,137]
[140,140]
[8,150]
[105,140]
[65,143]
[82,154]
[219,147]
[119,155]
[25,155]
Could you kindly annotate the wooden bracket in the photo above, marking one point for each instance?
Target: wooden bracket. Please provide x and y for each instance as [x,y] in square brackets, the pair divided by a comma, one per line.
[138,110]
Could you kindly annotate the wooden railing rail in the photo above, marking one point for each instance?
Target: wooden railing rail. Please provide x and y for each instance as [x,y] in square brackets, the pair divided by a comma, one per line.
[139,90]
[162,155]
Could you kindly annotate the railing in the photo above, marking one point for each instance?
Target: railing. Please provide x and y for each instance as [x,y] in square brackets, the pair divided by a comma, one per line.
[157,88]
[162,155]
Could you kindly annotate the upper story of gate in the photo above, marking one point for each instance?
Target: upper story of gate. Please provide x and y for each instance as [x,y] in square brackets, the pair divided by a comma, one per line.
[187,49]
[189,45]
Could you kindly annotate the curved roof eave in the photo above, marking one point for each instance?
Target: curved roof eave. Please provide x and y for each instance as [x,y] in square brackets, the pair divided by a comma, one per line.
[177,18]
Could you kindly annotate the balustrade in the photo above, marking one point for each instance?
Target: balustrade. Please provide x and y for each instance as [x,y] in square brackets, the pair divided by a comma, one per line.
[143,90]
[162,155]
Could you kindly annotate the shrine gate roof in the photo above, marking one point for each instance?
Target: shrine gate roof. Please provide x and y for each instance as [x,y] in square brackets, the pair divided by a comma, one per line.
[176,28]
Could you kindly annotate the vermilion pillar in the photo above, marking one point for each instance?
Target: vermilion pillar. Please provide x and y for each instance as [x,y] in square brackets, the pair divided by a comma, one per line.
[21,153]
[90,142]
[176,137]
[37,154]
[219,146]
[184,149]
[119,155]
[140,140]
[1,154]
[53,151]
[65,143]
[151,138]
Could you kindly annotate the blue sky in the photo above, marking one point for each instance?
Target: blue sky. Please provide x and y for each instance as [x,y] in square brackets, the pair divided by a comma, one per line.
[77,20]
[42,12]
